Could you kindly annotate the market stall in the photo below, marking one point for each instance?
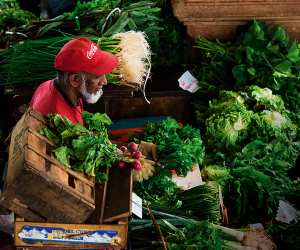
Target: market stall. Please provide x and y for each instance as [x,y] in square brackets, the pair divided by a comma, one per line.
[167,159]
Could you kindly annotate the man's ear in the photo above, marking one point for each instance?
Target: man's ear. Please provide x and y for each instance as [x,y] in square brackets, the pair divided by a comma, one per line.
[74,80]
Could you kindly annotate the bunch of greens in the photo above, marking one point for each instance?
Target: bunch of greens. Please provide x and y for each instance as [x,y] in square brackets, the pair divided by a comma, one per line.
[107,18]
[198,235]
[253,165]
[83,148]
[251,148]
[11,15]
[255,57]
[201,203]
[179,148]
[229,121]
[31,62]
[159,184]
[153,17]
[181,233]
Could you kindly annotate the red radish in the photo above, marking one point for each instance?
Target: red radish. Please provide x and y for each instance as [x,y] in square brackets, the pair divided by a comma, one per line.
[137,155]
[123,149]
[133,146]
[137,165]
[121,164]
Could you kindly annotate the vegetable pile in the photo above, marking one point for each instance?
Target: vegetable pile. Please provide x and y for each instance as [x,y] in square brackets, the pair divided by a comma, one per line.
[251,117]
[178,148]
[84,148]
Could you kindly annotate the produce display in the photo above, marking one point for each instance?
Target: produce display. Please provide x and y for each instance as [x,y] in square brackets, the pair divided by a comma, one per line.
[251,119]
[245,137]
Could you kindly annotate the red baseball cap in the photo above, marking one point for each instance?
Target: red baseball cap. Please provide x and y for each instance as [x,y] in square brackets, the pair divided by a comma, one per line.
[82,55]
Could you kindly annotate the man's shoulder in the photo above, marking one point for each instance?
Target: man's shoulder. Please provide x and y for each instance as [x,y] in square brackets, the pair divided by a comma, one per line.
[47,85]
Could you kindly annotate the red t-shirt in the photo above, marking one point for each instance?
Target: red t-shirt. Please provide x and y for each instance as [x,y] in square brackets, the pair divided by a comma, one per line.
[47,99]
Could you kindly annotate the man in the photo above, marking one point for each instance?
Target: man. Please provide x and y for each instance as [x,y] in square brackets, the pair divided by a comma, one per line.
[81,67]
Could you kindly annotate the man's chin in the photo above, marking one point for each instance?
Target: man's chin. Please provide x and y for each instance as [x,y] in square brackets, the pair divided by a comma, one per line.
[93,98]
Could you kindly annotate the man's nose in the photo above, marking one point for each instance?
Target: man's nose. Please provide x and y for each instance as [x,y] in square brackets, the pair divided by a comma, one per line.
[103,80]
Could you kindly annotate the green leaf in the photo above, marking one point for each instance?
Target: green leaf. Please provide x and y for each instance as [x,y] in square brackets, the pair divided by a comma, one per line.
[131,24]
[50,26]
[239,73]
[251,71]
[250,54]
[63,154]
[119,25]
[284,67]
[280,35]
[293,53]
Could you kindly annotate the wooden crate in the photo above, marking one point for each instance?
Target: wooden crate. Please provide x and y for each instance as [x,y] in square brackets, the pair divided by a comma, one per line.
[220,18]
[37,186]
[113,200]
[34,236]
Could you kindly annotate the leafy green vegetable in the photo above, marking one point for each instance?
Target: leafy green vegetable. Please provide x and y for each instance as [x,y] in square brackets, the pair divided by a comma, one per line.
[63,154]
[178,148]
[86,149]
[264,97]
[201,202]
[229,121]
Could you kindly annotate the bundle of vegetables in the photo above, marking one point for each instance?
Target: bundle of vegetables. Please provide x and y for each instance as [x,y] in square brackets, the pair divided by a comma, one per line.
[110,17]
[181,233]
[131,157]
[154,17]
[201,203]
[229,121]
[11,15]
[83,148]
[251,162]
[178,148]
[255,57]
[268,166]
[31,62]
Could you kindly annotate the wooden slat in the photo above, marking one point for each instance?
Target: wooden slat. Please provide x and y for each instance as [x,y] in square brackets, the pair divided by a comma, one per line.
[118,197]
[219,19]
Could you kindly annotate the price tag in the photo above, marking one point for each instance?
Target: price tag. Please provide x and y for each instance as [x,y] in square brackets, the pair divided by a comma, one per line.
[188,82]
[137,205]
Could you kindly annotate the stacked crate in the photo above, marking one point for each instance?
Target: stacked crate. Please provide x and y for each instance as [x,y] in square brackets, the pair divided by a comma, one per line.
[220,18]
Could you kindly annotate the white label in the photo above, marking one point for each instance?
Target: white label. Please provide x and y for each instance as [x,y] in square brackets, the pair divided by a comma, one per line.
[137,205]
[188,82]
[286,212]
[193,179]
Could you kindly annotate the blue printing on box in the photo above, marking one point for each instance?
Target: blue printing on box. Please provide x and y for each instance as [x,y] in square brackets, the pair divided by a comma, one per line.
[33,234]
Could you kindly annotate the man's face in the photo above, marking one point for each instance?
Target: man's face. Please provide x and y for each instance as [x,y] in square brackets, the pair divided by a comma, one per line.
[91,87]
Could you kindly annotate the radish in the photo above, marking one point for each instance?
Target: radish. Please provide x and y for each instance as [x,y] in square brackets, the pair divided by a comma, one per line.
[137,165]
[121,164]
[137,155]
[123,149]
[133,146]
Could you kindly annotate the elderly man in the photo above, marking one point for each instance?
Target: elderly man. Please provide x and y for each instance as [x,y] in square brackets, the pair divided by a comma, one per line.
[81,67]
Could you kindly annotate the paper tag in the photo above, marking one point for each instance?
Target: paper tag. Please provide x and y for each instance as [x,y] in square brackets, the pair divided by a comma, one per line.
[188,82]
[192,179]
[286,213]
[137,205]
